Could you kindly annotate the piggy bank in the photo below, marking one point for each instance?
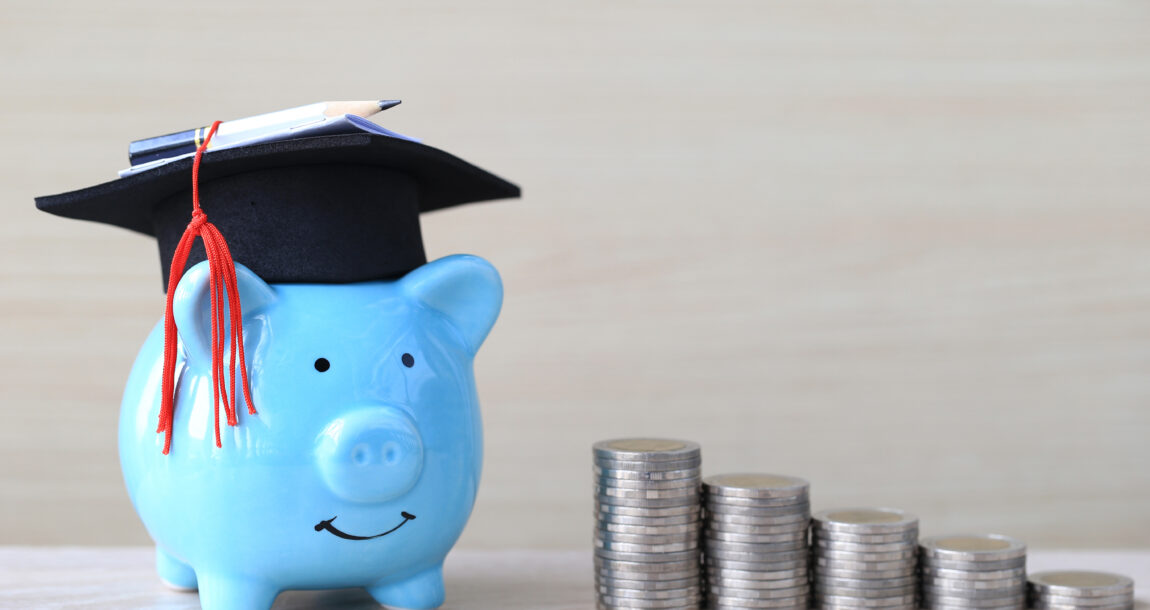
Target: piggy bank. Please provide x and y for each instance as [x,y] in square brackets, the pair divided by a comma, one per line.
[362,463]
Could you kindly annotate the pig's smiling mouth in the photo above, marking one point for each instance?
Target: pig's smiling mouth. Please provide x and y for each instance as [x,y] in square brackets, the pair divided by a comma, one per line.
[326,525]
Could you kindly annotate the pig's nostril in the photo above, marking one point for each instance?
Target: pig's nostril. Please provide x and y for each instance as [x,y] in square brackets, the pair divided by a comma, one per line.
[361,454]
[391,453]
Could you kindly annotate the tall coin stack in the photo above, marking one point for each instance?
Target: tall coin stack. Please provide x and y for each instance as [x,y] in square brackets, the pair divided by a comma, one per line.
[647,524]
[1078,590]
[755,550]
[864,558]
[973,571]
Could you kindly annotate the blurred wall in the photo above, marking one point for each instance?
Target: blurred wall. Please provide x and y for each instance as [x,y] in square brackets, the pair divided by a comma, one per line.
[900,248]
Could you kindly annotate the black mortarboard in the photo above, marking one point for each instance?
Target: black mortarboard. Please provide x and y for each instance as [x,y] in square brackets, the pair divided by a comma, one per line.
[330,209]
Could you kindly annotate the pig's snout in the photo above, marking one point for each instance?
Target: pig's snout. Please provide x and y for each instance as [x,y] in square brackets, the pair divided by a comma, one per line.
[371,454]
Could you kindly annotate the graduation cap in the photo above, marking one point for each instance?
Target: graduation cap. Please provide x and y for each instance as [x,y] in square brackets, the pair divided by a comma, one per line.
[328,209]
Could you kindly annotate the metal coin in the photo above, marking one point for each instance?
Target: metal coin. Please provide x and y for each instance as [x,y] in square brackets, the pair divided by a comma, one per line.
[748,583]
[687,519]
[935,563]
[1001,592]
[646,585]
[758,530]
[954,584]
[1086,602]
[649,530]
[1079,583]
[865,520]
[647,557]
[929,572]
[795,573]
[651,594]
[767,516]
[651,493]
[722,601]
[862,566]
[657,571]
[799,536]
[764,549]
[667,484]
[601,536]
[722,591]
[645,475]
[631,547]
[821,534]
[755,520]
[904,555]
[862,602]
[867,583]
[648,578]
[763,567]
[936,605]
[1127,604]
[752,556]
[688,501]
[867,593]
[654,467]
[795,503]
[689,601]
[973,547]
[931,600]
[647,511]
[890,547]
[750,485]
[645,449]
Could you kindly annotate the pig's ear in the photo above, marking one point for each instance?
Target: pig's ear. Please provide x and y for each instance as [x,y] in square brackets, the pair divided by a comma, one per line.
[466,289]
[192,308]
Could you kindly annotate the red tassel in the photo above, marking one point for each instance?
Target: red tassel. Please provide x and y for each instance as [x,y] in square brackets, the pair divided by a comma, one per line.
[221,280]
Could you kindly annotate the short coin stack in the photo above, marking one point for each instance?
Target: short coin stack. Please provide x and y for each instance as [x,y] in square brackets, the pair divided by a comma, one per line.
[755,541]
[1077,590]
[973,571]
[864,558]
[647,524]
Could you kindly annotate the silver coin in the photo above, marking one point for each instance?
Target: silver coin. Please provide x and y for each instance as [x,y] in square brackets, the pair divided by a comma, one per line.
[1086,602]
[934,563]
[820,534]
[649,578]
[736,520]
[863,602]
[764,567]
[647,511]
[723,602]
[649,530]
[1009,591]
[1080,583]
[628,474]
[723,591]
[668,484]
[751,583]
[867,583]
[936,605]
[903,555]
[865,593]
[1126,604]
[980,601]
[850,547]
[645,584]
[752,485]
[610,601]
[795,510]
[651,493]
[632,547]
[647,557]
[877,566]
[796,503]
[752,556]
[673,502]
[830,605]
[972,547]
[685,519]
[758,530]
[600,605]
[877,576]
[695,589]
[865,520]
[646,449]
[649,570]
[645,539]
[638,466]
[767,516]
[793,573]
[953,584]
[714,534]
[929,572]
[765,549]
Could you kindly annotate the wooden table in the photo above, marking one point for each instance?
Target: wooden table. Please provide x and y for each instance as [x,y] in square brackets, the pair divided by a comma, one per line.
[54,577]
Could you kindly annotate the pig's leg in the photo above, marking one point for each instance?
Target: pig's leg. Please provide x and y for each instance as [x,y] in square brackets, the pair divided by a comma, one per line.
[175,573]
[232,591]
[420,592]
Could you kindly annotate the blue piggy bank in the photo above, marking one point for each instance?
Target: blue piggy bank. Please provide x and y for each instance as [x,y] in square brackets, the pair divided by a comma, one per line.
[361,466]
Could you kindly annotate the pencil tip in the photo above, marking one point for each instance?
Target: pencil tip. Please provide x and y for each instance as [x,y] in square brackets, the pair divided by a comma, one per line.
[385,104]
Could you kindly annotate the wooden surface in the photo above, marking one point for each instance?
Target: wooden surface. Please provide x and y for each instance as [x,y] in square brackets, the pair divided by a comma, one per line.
[50,578]
[899,248]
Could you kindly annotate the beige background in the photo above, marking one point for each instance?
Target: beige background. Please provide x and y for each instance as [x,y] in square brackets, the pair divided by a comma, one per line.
[900,248]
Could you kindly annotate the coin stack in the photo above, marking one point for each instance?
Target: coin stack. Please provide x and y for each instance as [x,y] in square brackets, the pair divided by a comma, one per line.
[647,524]
[864,558]
[973,571]
[1077,590]
[755,541]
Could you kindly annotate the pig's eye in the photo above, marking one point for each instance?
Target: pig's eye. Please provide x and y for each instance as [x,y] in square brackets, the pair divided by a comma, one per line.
[408,360]
[321,364]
